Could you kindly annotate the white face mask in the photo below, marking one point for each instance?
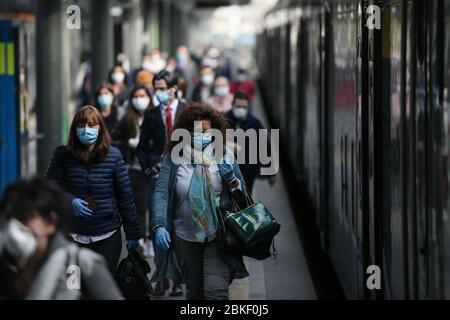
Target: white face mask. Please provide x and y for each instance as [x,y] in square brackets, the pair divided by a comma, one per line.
[155,100]
[20,242]
[118,77]
[207,79]
[141,103]
[222,91]
[213,63]
[147,65]
[240,113]
[242,77]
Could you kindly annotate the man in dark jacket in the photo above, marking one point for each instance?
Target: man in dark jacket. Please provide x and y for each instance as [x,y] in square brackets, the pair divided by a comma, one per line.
[155,131]
[240,118]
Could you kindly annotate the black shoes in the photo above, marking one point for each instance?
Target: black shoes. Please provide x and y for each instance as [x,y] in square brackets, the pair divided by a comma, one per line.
[176,290]
[161,287]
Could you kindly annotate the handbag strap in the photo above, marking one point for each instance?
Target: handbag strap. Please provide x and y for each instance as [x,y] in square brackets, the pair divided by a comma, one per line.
[274,252]
[249,201]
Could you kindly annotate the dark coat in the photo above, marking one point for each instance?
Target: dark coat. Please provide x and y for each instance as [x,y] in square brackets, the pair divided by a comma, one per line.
[153,138]
[248,170]
[107,182]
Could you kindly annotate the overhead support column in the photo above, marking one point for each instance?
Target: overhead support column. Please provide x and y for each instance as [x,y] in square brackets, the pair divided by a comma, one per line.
[52,69]
[102,25]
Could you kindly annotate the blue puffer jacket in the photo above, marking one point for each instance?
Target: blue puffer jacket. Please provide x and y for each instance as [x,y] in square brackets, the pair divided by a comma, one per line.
[107,182]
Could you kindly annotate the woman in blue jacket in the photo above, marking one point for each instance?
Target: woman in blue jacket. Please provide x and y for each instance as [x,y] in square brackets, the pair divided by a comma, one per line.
[94,175]
[186,200]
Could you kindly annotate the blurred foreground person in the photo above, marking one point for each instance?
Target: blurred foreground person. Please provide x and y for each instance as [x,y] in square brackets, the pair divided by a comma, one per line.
[185,209]
[37,262]
[94,175]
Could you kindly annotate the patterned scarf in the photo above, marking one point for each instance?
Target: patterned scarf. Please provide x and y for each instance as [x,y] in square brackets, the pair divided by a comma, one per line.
[201,191]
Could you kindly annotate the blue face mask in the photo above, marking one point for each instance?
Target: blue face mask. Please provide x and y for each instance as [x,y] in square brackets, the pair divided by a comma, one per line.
[163,97]
[87,136]
[105,100]
[201,139]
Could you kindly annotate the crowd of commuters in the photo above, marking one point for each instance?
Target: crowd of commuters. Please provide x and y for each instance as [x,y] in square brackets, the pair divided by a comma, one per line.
[117,175]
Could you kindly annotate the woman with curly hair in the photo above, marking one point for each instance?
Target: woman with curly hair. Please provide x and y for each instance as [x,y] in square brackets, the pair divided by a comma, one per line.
[188,194]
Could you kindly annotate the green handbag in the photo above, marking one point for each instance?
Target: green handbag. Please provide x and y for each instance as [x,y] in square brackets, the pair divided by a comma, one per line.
[255,227]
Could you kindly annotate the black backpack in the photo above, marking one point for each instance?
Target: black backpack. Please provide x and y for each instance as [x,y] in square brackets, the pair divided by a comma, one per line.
[131,276]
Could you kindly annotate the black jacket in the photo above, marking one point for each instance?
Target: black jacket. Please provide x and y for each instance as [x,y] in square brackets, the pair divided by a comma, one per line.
[197,93]
[248,170]
[153,138]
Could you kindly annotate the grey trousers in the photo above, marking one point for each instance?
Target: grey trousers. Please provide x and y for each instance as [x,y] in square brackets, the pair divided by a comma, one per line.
[207,276]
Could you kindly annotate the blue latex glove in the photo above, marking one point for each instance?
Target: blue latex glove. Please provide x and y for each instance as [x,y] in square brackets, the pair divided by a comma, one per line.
[227,172]
[80,208]
[132,245]
[162,238]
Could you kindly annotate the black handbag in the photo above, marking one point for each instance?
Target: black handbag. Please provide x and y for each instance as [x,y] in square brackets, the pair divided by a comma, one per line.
[131,276]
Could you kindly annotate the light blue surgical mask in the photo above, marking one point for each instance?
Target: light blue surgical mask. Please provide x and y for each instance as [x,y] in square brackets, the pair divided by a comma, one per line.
[105,100]
[201,139]
[163,97]
[87,136]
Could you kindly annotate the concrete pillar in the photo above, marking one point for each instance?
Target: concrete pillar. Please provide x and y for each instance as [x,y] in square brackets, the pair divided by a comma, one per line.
[147,17]
[102,25]
[134,36]
[164,10]
[52,78]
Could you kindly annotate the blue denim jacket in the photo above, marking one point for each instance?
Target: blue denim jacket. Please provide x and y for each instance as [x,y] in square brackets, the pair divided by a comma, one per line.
[164,197]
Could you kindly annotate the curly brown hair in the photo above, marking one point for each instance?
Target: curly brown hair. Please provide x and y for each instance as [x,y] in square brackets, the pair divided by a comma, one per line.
[198,111]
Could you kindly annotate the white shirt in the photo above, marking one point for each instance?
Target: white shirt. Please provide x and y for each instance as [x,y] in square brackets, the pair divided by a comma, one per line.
[90,239]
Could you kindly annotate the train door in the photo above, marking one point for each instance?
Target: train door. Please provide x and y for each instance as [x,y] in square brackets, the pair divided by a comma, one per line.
[445,153]
[324,125]
[9,150]
[293,120]
[343,120]
[359,167]
[422,151]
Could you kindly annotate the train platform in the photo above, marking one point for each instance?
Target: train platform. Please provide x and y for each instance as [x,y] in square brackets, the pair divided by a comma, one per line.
[285,278]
